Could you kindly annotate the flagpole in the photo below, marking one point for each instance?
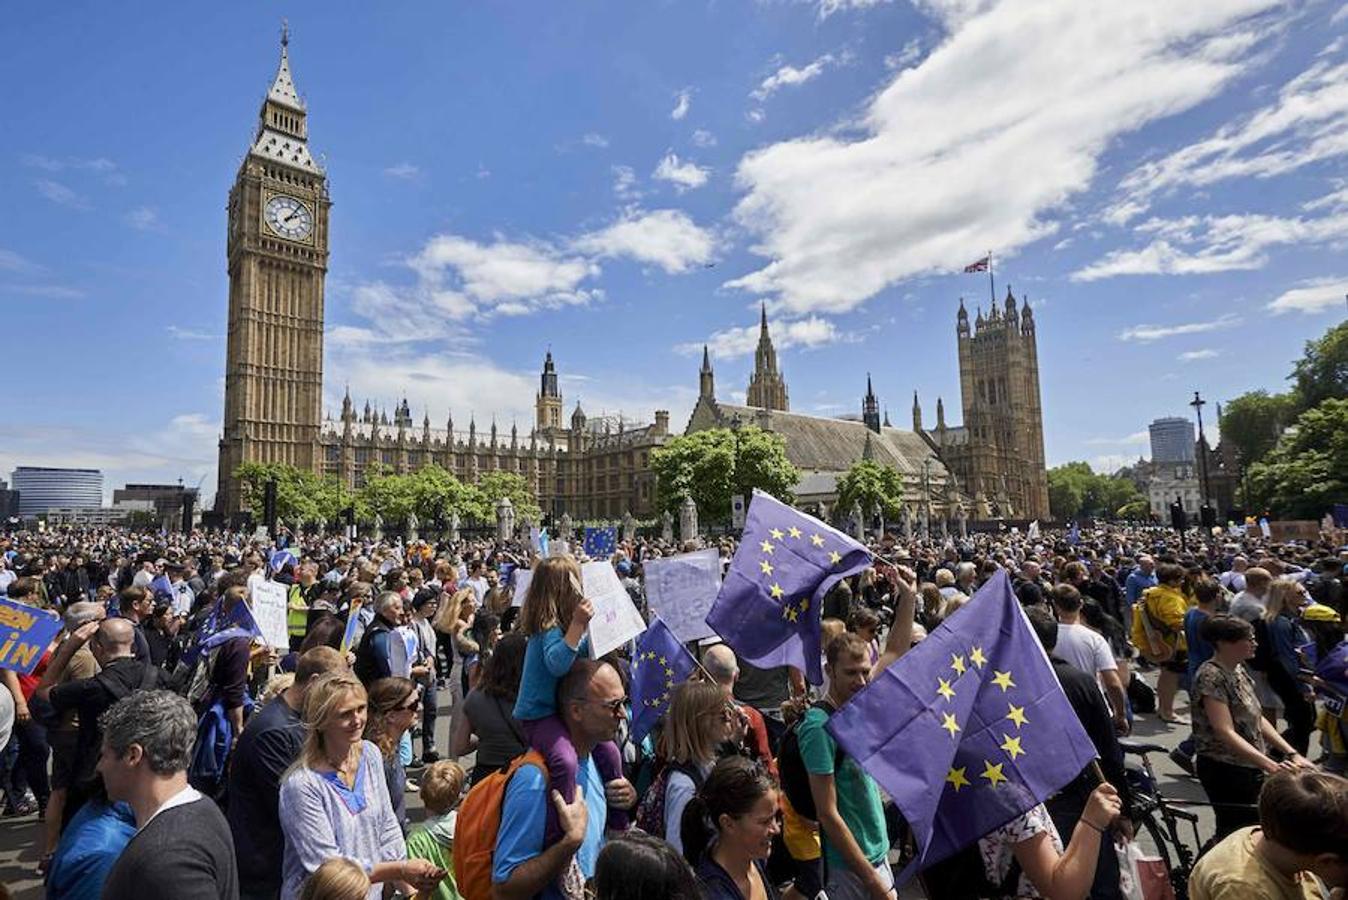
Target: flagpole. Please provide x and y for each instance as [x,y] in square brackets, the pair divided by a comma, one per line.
[992,288]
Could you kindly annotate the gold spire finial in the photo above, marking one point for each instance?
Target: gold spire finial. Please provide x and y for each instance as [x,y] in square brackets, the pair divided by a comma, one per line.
[285,33]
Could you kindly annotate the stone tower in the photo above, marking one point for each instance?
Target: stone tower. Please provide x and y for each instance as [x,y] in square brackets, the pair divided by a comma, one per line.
[767,387]
[1003,416]
[706,379]
[548,402]
[277,252]
[870,407]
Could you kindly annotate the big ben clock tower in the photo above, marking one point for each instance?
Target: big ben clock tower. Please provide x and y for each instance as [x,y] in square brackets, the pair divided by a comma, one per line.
[277,257]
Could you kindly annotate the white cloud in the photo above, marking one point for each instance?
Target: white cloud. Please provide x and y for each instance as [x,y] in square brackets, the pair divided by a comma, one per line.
[736,342]
[1196,355]
[1149,333]
[1306,123]
[625,182]
[1315,295]
[790,76]
[827,8]
[45,291]
[910,53]
[100,166]
[841,216]
[702,138]
[190,334]
[60,194]
[593,139]
[1109,463]
[755,116]
[1203,244]
[11,261]
[403,170]
[683,100]
[667,238]
[683,174]
[1137,437]
[502,270]
[142,218]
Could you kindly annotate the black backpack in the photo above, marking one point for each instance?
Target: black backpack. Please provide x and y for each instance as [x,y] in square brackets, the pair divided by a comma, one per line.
[791,767]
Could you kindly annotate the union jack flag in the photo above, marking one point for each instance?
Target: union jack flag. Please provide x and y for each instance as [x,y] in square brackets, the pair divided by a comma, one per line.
[978,265]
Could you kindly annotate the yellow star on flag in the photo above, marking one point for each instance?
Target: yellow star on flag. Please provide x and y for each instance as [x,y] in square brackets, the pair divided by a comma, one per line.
[834,557]
[794,532]
[956,778]
[1003,680]
[993,773]
[804,603]
[957,663]
[766,546]
[976,657]
[816,540]
[776,591]
[949,724]
[1017,715]
[766,567]
[945,690]
[1012,746]
[777,534]
[790,614]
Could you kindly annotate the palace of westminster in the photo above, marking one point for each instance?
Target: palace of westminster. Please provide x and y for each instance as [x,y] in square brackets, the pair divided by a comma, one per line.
[991,466]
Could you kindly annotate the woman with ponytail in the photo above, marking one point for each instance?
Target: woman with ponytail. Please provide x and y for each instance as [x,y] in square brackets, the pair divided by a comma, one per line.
[728,828]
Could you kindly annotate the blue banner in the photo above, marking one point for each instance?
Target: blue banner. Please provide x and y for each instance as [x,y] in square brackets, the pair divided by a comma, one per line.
[25,633]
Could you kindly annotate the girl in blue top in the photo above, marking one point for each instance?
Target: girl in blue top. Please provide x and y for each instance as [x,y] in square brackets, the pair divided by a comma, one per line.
[555,617]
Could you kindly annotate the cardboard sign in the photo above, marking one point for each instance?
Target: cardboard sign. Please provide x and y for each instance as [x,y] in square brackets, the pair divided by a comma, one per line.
[269,611]
[681,590]
[616,620]
[25,634]
[522,579]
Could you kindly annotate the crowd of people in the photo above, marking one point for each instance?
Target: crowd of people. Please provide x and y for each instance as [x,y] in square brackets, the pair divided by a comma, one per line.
[168,751]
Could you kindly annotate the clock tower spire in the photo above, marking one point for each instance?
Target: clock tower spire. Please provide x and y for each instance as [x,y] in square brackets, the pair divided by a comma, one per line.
[277,256]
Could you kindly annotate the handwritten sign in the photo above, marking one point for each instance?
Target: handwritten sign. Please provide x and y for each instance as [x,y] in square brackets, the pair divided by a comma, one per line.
[616,620]
[352,623]
[269,611]
[25,633]
[681,590]
[522,579]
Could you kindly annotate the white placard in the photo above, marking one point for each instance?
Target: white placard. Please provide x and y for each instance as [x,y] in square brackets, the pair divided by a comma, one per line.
[559,548]
[522,578]
[616,620]
[269,611]
[681,590]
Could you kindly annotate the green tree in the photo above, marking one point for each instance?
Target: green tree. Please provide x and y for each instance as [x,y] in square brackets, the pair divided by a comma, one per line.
[299,492]
[495,485]
[1322,372]
[1068,486]
[712,466]
[1253,422]
[386,495]
[873,486]
[1308,469]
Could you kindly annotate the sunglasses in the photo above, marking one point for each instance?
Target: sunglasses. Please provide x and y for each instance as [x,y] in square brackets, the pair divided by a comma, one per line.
[410,705]
[613,706]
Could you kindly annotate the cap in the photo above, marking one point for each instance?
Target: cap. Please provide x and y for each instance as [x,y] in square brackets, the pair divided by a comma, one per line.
[1318,612]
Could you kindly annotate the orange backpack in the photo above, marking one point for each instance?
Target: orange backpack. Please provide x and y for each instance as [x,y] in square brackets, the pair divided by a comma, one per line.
[479,821]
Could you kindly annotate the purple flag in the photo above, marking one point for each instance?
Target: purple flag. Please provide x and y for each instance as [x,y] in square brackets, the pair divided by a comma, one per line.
[768,607]
[969,729]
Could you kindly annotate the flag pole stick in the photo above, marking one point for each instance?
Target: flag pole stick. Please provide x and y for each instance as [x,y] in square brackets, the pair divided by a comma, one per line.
[992,288]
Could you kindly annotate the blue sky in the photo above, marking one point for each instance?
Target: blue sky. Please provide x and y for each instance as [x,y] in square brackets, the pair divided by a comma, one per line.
[622,182]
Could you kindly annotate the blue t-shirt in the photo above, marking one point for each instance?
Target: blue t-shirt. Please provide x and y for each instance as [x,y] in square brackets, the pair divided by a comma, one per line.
[1136,584]
[547,657]
[520,837]
[1200,651]
[89,847]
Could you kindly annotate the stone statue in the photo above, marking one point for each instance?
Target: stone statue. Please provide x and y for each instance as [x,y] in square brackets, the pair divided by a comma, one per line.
[906,518]
[629,527]
[688,520]
[505,519]
[378,528]
[858,522]
[567,528]
[412,524]
[667,527]
[453,531]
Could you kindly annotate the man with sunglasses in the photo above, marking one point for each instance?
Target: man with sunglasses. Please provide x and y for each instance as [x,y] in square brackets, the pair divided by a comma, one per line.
[590,702]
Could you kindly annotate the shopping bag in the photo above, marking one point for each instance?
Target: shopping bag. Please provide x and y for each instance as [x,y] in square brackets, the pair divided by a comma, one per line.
[1142,877]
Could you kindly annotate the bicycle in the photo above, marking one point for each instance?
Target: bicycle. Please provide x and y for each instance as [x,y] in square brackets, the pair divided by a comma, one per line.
[1160,818]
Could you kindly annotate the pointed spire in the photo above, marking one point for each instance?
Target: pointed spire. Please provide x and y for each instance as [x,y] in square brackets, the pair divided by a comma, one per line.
[886,422]
[283,85]
[763,324]
[868,450]
[870,391]
[706,359]
[917,413]
[940,413]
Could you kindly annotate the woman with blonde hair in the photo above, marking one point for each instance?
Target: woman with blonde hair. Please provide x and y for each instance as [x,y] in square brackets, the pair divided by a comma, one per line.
[336,879]
[335,802]
[699,721]
[1285,599]
[394,704]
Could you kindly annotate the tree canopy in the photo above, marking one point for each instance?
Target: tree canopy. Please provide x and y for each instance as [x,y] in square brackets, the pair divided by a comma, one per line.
[300,494]
[712,466]
[1254,420]
[1076,491]
[873,486]
[1308,468]
[1322,372]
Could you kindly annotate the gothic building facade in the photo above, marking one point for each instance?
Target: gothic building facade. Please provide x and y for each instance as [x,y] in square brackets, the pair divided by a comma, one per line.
[277,253]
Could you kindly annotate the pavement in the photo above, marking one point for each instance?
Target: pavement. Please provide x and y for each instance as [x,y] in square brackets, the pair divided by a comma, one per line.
[19,835]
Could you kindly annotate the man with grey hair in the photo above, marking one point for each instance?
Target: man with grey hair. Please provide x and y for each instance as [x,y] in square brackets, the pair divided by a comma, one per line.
[376,654]
[182,847]
[720,663]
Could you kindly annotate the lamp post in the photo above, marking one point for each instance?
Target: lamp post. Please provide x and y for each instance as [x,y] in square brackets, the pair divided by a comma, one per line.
[1198,403]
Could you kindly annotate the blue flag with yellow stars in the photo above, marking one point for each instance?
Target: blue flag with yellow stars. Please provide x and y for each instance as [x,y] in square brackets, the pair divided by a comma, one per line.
[967,730]
[768,607]
[599,542]
[660,663]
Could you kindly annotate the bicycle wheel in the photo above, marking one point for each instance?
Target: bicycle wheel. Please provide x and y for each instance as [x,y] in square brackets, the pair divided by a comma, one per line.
[1160,840]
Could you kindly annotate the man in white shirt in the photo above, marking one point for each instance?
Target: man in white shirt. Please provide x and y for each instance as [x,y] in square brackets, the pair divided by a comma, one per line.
[1250,603]
[1234,579]
[1086,650]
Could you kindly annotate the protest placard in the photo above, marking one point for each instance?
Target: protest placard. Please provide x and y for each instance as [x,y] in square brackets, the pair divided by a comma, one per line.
[522,579]
[616,620]
[352,622]
[681,589]
[269,611]
[25,633]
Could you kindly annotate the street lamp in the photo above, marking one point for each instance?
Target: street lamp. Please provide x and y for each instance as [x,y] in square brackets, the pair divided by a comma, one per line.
[1198,403]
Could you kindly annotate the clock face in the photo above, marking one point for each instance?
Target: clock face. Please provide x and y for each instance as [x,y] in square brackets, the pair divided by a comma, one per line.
[288,217]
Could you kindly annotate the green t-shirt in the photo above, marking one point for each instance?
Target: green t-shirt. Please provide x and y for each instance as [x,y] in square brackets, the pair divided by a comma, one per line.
[858,796]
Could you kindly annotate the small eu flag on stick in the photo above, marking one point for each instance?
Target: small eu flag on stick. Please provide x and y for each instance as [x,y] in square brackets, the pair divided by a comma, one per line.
[768,607]
[600,542]
[660,663]
[967,730]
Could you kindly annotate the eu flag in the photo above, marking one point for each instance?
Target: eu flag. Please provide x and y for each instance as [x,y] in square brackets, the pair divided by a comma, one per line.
[220,626]
[969,729]
[768,607]
[660,663]
[162,589]
[599,542]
